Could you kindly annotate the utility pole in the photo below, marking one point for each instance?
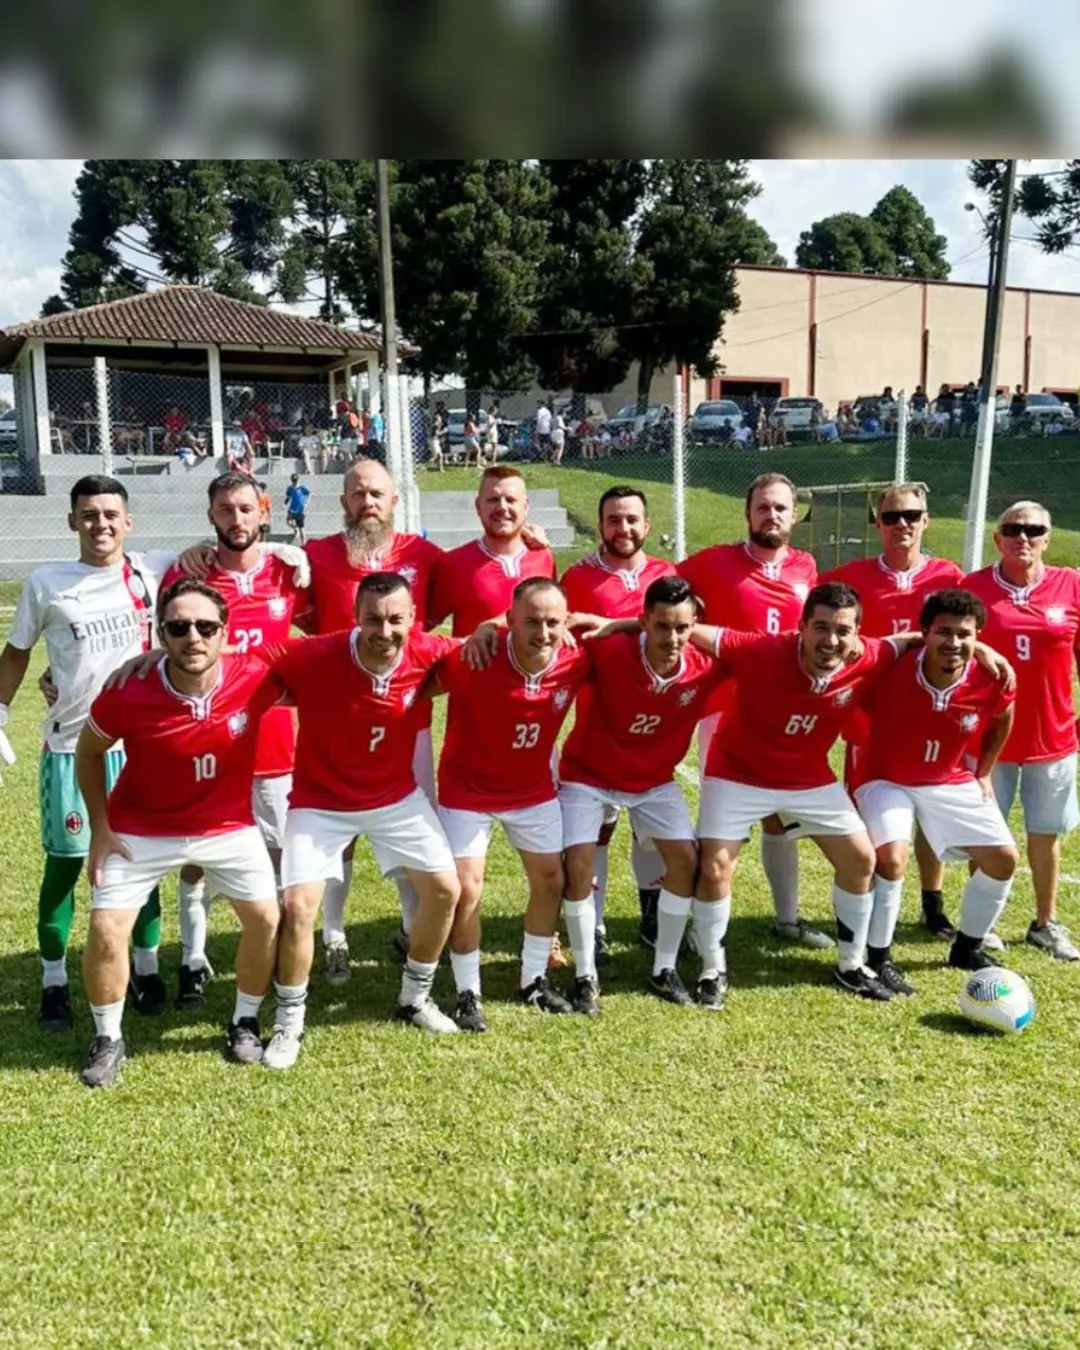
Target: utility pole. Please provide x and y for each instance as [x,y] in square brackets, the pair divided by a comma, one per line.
[397,440]
[984,435]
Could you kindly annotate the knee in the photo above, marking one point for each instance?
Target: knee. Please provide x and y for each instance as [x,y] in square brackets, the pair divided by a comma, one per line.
[681,868]
[891,863]
[108,939]
[1001,864]
[299,907]
[261,919]
[471,891]
[579,873]
[446,892]
[716,868]
[857,873]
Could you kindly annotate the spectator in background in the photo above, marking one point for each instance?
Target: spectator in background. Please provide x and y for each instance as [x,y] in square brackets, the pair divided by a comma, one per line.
[296,497]
[491,434]
[887,409]
[348,425]
[945,407]
[752,413]
[1017,411]
[558,437]
[778,426]
[969,408]
[437,443]
[826,429]
[743,437]
[920,408]
[178,434]
[845,420]
[240,453]
[265,507]
[543,428]
[471,439]
[376,435]
[308,446]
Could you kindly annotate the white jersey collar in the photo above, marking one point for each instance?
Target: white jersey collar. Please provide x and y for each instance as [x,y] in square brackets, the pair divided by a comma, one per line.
[630,577]
[1020,595]
[380,682]
[533,679]
[940,698]
[659,684]
[905,580]
[773,569]
[200,704]
[509,562]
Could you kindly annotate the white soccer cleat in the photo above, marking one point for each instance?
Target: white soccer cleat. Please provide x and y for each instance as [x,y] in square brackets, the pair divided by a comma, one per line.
[282,1050]
[428,1017]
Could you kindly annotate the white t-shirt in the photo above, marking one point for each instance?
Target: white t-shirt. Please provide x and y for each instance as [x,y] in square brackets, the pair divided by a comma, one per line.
[93,619]
[543,421]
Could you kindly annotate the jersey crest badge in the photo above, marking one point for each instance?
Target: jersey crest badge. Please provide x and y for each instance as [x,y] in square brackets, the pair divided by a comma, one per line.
[687,696]
[409,573]
[73,822]
[801,589]
[237,724]
[277,606]
[844,696]
[561,699]
[1055,614]
[969,721]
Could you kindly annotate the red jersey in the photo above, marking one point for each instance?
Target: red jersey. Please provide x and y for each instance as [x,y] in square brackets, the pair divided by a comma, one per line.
[592,586]
[501,729]
[921,735]
[892,600]
[787,718]
[334,579]
[261,604]
[636,727]
[1037,629]
[190,760]
[357,728]
[740,591]
[475,585]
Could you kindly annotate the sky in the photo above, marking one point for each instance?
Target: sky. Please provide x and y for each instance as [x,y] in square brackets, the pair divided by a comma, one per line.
[37,207]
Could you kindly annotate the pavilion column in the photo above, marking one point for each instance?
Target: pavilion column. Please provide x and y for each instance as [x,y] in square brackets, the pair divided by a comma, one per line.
[374,384]
[39,371]
[217,413]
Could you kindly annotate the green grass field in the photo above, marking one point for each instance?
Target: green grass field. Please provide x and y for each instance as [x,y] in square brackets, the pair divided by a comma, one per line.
[801,1171]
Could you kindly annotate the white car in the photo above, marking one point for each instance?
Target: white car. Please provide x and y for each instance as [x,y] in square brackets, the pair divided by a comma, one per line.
[1038,410]
[711,419]
[9,429]
[795,413]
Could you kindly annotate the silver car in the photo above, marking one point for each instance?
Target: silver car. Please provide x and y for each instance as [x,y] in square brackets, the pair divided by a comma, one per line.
[715,420]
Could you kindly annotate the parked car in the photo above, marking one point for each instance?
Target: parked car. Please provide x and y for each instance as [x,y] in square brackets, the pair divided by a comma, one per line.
[650,430]
[9,430]
[795,414]
[1038,410]
[715,420]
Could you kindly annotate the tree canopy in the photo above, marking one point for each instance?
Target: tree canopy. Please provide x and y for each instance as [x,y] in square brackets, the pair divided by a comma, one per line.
[897,239]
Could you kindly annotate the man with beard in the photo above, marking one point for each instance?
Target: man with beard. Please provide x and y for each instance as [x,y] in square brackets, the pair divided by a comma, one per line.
[368,543]
[262,595]
[759,587]
[612,583]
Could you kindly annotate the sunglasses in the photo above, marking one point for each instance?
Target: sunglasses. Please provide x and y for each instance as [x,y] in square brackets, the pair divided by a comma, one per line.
[1015,528]
[909,517]
[206,628]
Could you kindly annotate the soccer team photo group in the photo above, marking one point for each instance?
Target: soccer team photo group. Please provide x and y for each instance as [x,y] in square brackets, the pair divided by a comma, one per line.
[246,716]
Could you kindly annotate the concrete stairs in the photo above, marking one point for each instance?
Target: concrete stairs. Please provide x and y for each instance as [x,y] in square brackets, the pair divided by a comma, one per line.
[169,502]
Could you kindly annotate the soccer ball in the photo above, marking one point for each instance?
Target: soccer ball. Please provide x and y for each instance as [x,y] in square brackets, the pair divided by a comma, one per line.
[997,1000]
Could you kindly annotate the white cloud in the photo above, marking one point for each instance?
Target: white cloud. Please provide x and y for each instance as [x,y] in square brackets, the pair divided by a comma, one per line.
[36,210]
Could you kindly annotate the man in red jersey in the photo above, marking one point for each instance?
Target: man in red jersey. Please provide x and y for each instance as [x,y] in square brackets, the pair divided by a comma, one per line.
[794,692]
[190,732]
[891,588]
[760,586]
[262,595]
[646,692]
[356,694]
[1033,619]
[496,765]
[611,583]
[367,543]
[926,714]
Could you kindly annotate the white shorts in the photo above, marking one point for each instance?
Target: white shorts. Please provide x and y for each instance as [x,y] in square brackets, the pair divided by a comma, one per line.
[1047,794]
[729,810]
[660,813]
[952,816]
[423,764]
[270,802]
[532,829]
[236,865]
[706,730]
[405,836]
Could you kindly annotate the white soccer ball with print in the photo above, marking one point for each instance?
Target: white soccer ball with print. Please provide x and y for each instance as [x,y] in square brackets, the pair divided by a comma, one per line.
[997,1000]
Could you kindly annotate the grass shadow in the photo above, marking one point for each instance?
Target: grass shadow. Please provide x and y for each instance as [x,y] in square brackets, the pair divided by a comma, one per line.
[950,1024]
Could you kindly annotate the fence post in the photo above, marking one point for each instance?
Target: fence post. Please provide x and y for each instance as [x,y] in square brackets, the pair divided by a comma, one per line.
[101,388]
[900,473]
[678,467]
[408,480]
[217,411]
[391,415]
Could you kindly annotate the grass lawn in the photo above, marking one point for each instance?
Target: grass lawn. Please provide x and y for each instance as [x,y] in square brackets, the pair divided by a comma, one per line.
[802,1171]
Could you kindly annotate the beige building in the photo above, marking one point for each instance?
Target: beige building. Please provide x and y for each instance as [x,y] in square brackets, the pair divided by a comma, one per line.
[837,335]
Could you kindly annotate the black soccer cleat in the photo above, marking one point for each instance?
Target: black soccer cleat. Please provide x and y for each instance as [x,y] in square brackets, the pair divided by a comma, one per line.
[934,918]
[649,899]
[55,1011]
[862,983]
[964,957]
[602,948]
[670,988]
[243,1042]
[147,994]
[711,992]
[469,1013]
[191,990]
[893,979]
[104,1063]
[541,996]
[587,996]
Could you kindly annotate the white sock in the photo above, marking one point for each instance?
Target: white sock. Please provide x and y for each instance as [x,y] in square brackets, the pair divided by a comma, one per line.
[333,906]
[145,961]
[291,1007]
[599,886]
[885,912]
[982,903]
[535,951]
[408,900]
[648,866]
[192,922]
[247,1005]
[671,915]
[780,860]
[53,973]
[853,918]
[581,929]
[466,968]
[108,1018]
[417,980]
[711,919]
